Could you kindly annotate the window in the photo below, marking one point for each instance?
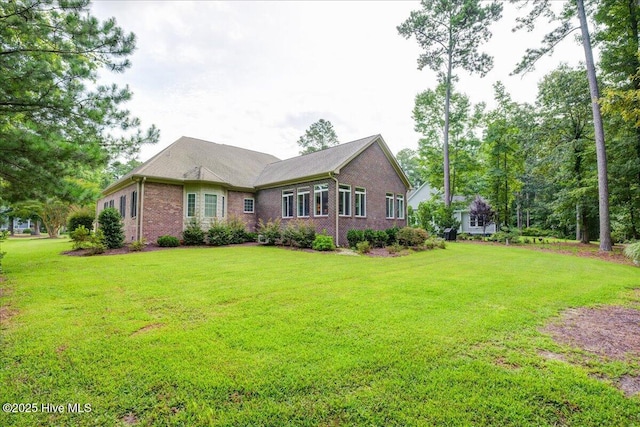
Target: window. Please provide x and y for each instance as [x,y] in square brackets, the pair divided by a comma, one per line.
[287,204]
[191,205]
[111,203]
[321,194]
[361,202]
[210,205]
[249,205]
[344,200]
[303,202]
[123,206]
[400,206]
[389,211]
[106,205]
[476,221]
[134,204]
[222,206]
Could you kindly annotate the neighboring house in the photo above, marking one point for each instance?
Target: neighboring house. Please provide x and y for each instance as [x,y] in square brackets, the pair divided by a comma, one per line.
[19,225]
[353,185]
[468,223]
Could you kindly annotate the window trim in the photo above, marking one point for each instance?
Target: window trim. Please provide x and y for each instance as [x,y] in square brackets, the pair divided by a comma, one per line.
[400,206]
[318,189]
[122,207]
[389,208]
[287,199]
[344,193]
[360,192]
[304,195]
[253,205]
[193,214]
[134,204]
[215,205]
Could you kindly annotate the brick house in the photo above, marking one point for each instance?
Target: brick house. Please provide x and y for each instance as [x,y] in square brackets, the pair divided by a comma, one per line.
[358,184]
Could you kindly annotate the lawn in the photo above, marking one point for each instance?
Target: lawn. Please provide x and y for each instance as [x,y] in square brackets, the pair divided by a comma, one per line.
[268,336]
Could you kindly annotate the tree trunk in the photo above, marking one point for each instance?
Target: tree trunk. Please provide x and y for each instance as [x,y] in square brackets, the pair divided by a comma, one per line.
[601,153]
[578,231]
[445,143]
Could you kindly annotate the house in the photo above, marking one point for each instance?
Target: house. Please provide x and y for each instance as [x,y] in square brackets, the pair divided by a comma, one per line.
[468,223]
[353,185]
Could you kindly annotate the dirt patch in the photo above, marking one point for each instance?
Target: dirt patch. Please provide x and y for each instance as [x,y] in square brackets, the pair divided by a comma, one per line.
[6,313]
[612,331]
[147,328]
[130,419]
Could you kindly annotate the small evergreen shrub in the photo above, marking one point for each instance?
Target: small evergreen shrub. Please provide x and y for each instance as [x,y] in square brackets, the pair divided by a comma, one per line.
[81,238]
[167,241]
[323,242]
[395,248]
[26,231]
[83,217]
[237,229]
[98,244]
[112,228]
[137,245]
[412,237]
[363,247]
[507,236]
[392,235]
[193,235]
[632,252]
[219,234]
[354,237]
[270,232]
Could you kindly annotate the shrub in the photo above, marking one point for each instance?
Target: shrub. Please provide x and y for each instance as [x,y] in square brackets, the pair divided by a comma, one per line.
[323,242]
[354,237]
[219,234]
[632,252]
[3,236]
[112,228]
[98,244]
[251,236]
[395,248]
[237,230]
[167,241]
[299,233]
[392,235]
[81,238]
[507,236]
[270,232]
[83,217]
[26,231]
[380,239]
[363,247]
[193,235]
[412,237]
[137,245]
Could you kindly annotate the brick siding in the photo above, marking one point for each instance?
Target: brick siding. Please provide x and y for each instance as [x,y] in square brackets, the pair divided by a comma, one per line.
[130,224]
[235,208]
[163,211]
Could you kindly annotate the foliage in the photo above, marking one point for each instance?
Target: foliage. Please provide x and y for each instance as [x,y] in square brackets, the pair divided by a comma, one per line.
[354,237]
[26,231]
[537,232]
[299,233]
[56,121]
[193,235]
[435,242]
[395,248]
[506,235]
[97,244]
[632,251]
[435,217]
[377,238]
[137,245]
[3,236]
[392,234]
[167,241]
[363,247]
[412,237]
[110,223]
[81,237]
[323,242]
[219,234]
[319,136]
[82,217]
[410,164]
[269,232]
[483,212]
[117,170]
[53,213]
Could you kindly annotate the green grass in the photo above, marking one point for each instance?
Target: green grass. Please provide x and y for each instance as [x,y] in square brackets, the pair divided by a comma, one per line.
[267,336]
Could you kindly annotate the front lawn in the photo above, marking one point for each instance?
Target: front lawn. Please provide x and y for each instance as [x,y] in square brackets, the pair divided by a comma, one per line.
[267,336]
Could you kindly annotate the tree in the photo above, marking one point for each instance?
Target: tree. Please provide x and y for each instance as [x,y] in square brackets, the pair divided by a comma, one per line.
[111,226]
[319,136]
[52,212]
[410,164]
[565,27]
[463,144]
[450,32]
[117,170]
[55,119]
[483,212]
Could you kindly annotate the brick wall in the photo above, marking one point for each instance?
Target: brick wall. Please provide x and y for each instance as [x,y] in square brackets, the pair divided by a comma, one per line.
[235,208]
[370,170]
[130,223]
[163,211]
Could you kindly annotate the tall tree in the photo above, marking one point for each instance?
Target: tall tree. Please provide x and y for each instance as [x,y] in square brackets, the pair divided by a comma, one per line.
[566,25]
[319,136]
[55,119]
[450,32]
[410,164]
[464,119]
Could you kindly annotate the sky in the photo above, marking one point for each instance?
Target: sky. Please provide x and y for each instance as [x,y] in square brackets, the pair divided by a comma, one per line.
[258,74]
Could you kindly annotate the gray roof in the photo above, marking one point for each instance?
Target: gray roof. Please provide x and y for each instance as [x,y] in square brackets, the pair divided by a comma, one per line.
[190,159]
[314,164]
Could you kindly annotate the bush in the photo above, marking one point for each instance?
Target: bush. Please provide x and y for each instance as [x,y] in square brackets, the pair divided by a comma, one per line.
[632,252]
[193,235]
[323,242]
[537,232]
[299,233]
[26,231]
[435,242]
[81,238]
[3,236]
[83,217]
[167,241]
[137,245]
[507,236]
[98,244]
[392,235]
[412,237]
[395,248]
[363,247]
[112,228]
[270,232]
[219,234]
[354,237]
[237,230]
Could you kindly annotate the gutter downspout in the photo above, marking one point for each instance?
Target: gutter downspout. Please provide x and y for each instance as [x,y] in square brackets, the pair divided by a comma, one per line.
[141,203]
[331,175]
